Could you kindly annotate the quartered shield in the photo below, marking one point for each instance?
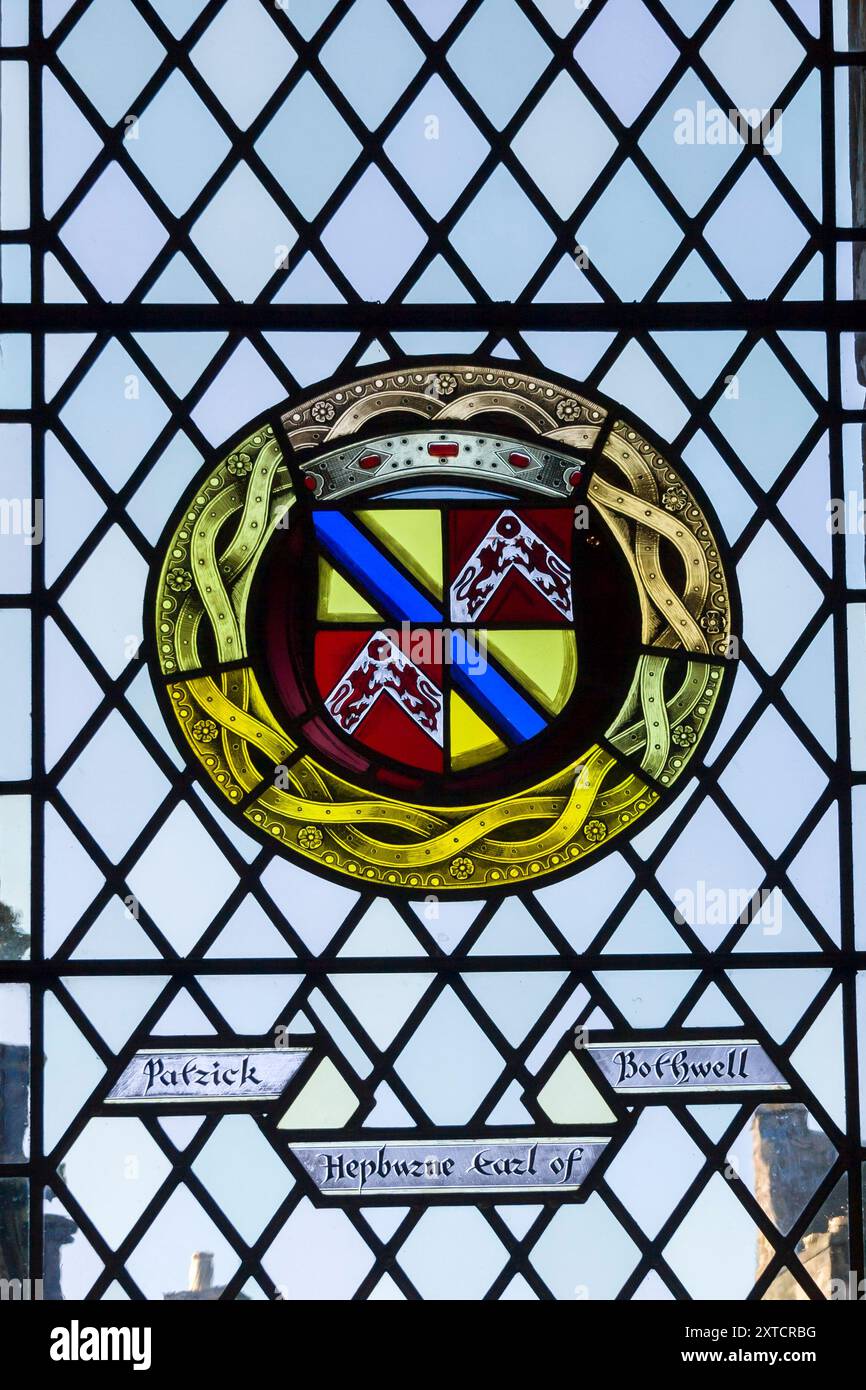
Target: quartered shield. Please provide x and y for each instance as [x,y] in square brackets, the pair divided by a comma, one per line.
[444,630]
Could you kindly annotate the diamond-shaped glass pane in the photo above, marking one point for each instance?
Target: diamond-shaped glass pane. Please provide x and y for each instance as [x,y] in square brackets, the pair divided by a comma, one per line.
[243,39]
[111,53]
[372,57]
[498,58]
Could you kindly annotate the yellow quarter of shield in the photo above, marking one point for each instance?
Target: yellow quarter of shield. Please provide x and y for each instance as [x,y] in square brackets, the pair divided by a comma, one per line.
[472,741]
[415,537]
[339,601]
[543,662]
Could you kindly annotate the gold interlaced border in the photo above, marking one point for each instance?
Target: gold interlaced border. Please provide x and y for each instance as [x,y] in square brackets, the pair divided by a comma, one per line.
[201,614]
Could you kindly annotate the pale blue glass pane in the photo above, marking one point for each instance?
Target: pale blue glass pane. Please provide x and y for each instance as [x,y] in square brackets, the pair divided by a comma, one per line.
[584,1253]
[15,696]
[177,144]
[764,440]
[15,877]
[436,15]
[113,235]
[317,1255]
[112,53]
[754,54]
[859,818]
[15,274]
[711,853]
[52,13]
[151,506]
[243,234]
[844,205]
[717,1221]
[237,1149]
[14,371]
[574,354]
[95,1166]
[731,502]
[431,344]
[179,284]
[806,505]
[15,23]
[373,237]
[809,11]
[564,145]
[308,284]
[160,1264]
[774,618]
[796,144]
[452,1254]
[70,144]
[777,805]
[857,682]
[115,402]
[436,147]
[776,236]
[694,282]
[449,1065]
[308,16]
[181,357]
[114,753]
[245,387]
[178,15]
[562,15]
[21,515]
[308,146]
[438,284]
[14,147]
[692,143]
[637,381]
[181,907]
[700,358]
[105,600]
[371,40]
[312,357]
[501,237]
[498,57]
[652,1203]
[243,39]
[629,235]
[854,509]
[689,14]
[626,70]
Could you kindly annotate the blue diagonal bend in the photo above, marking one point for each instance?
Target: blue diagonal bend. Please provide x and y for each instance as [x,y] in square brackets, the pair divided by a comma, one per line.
[400,600]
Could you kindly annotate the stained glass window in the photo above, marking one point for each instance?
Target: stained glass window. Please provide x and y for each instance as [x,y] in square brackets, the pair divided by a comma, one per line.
[433,594]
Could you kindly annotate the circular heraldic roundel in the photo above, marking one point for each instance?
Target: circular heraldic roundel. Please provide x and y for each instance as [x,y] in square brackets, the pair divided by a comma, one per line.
[446,630]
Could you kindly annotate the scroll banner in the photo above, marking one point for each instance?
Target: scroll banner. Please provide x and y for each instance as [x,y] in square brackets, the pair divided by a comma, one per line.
[658,1068]
[219,1075]
[395,1167]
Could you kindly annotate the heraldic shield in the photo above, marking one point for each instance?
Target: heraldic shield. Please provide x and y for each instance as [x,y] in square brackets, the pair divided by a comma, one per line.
[438,637]
[460,668]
